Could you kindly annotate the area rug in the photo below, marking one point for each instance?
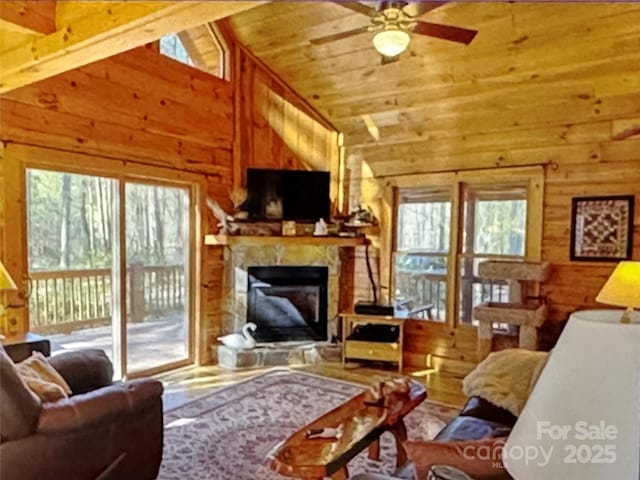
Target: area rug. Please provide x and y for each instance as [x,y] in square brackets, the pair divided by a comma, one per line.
[227,434]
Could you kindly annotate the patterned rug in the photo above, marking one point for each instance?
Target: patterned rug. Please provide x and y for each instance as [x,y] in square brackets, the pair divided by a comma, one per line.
[227,434]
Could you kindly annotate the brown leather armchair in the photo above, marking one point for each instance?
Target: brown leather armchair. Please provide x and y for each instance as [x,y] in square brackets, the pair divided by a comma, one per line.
[104,430]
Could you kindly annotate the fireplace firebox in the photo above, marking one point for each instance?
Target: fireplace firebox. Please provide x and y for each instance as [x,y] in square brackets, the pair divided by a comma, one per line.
[288,303]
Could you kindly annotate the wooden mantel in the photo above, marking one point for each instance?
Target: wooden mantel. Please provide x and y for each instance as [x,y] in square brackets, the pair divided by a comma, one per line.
[284,240]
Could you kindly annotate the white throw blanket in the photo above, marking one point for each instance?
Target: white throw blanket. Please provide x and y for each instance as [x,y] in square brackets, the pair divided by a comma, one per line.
[505,378]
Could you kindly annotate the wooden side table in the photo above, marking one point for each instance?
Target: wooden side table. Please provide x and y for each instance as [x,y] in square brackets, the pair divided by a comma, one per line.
[381,351]
[19,347]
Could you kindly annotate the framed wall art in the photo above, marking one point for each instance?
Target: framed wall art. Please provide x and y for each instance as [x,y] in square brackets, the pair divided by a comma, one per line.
[601,228]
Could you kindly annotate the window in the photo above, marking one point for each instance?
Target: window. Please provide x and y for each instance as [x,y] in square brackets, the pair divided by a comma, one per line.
[423,231]
[494,227]
[202,47]
[172,46]
[444,231]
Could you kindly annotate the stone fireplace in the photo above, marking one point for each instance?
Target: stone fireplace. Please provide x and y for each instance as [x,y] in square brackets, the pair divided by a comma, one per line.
[318,270]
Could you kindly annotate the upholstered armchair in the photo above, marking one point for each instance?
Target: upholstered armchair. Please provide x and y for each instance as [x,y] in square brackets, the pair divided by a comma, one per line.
[472,443]
[103,430]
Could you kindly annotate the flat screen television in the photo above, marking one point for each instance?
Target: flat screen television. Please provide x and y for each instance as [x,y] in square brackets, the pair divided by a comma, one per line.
[301,195]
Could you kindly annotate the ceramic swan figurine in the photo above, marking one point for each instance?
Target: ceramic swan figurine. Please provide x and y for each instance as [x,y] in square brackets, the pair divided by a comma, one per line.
[239,341]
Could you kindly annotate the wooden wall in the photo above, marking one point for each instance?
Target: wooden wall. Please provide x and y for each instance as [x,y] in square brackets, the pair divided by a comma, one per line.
[147,109]
[542,83]
[138,106]
[3,226]
[590,168]
[593,153]
[553,84]
[276,128]
[611,167]
[36,15]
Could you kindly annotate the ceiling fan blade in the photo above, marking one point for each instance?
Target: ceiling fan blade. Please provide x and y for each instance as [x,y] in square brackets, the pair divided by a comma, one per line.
[386,60]
[445,32]
[415,9]
[358,7]
[339,36]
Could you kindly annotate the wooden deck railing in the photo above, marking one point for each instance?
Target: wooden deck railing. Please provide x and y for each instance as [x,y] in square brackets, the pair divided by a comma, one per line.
[423,288]
[69,300]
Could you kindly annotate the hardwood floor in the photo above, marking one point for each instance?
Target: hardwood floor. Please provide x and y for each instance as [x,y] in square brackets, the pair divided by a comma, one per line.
[189,383]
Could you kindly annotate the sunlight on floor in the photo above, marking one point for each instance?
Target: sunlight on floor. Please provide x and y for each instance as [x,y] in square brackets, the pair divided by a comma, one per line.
[189,383]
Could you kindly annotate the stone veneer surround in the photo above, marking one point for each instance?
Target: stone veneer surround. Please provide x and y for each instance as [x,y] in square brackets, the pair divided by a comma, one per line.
[239,257]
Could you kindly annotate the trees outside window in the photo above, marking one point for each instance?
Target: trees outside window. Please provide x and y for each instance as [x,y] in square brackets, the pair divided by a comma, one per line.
[110,265]
[70,222]
[443,232]
[494,227]
[422,241]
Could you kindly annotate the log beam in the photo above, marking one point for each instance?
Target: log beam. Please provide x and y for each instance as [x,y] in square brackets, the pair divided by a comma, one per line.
[32,16]
[112,28]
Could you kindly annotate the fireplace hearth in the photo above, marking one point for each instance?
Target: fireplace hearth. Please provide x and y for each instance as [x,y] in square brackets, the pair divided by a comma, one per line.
[288,303]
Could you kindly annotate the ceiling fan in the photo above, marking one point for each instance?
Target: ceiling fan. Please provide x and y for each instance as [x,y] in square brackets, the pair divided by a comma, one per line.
[393,21]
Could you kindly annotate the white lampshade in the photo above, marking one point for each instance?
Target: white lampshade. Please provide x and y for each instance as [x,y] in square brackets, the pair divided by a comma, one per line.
[391,41]
[583,411]
[6,282]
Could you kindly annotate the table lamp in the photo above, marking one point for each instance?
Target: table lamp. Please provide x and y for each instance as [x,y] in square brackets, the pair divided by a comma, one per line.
[6,283]
[581,419]
[623,289]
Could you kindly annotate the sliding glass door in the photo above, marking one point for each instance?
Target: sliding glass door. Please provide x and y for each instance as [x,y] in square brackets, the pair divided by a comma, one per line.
[70,225]
[109,261]
[157,253]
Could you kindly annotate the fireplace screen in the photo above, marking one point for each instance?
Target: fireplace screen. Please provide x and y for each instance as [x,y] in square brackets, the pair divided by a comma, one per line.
[288,303]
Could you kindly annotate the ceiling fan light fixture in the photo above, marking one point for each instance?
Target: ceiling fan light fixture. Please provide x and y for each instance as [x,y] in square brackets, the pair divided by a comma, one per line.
[391,41]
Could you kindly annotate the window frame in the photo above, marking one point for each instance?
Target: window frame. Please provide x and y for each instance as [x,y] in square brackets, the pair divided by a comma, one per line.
[532,177]
[474,193]
[423,195]
[218,39]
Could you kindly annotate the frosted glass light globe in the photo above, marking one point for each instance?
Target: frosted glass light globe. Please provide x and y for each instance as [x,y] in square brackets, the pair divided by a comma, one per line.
[391,41]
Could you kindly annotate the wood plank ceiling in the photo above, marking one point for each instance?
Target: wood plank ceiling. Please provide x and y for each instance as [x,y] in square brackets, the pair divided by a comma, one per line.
[533,70]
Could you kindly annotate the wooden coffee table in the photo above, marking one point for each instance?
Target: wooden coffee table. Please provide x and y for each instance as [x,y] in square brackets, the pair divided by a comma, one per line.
[360,425]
